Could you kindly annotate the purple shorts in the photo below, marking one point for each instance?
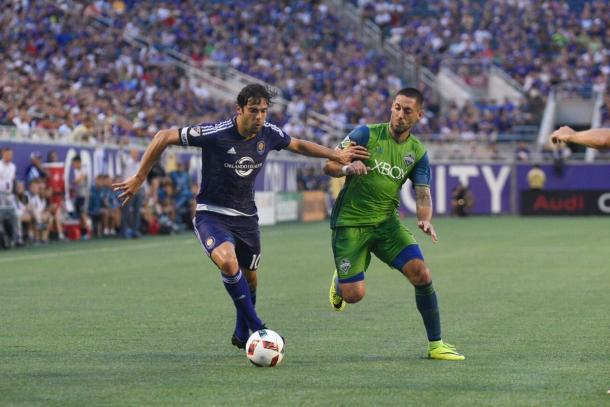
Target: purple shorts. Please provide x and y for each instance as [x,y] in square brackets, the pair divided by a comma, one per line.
[213,229]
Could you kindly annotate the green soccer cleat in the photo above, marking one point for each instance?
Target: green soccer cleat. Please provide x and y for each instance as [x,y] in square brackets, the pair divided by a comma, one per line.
[443,351]
[335,300]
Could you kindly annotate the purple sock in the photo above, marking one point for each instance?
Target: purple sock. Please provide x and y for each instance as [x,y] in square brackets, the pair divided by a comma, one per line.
[238,289]
[241,326]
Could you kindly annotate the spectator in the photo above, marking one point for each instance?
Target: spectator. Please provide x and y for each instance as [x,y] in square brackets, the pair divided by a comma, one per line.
[37,207]
[182,190]
[35,170]
[462,200]
[24,215]
[55,193]
[9,216]
[112,205]
[536,178]
[522,153]
[131,212]
[559,153]
[79,189]
[98,208]
[166,205]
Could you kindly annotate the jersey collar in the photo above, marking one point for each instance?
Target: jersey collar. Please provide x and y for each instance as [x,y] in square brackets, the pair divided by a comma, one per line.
[236,131]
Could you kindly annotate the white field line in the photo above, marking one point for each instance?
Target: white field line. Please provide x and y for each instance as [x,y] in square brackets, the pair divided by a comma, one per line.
[43,256]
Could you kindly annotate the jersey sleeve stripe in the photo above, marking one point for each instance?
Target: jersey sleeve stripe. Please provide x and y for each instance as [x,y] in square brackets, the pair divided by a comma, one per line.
[274,127]
[215,129]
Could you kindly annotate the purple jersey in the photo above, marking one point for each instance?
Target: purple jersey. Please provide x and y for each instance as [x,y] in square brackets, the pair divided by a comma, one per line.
[230,164]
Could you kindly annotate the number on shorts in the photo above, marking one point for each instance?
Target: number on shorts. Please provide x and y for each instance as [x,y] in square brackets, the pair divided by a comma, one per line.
[256,258]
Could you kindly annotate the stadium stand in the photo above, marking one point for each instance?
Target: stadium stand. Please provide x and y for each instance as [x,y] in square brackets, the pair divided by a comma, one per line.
[114,79]
[80,83]
[537,43]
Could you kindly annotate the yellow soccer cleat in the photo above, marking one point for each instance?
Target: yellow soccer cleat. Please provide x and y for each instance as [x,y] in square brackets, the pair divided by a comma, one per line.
[440,350]
[335,300]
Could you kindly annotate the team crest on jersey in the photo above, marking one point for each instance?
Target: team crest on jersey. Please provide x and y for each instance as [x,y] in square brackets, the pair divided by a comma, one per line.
[195,132]
[209,242]
[346,142]
[409,159]
[345,266]
[260,147]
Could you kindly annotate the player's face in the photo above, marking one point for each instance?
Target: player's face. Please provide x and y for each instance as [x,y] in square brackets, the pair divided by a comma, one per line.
[406,112]
[7,155]
[252,116]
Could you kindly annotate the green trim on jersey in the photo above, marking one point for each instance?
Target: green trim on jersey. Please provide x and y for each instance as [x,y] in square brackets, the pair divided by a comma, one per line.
[370,199]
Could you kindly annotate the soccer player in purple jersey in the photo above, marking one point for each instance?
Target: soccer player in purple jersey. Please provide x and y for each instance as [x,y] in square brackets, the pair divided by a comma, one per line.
[226,222]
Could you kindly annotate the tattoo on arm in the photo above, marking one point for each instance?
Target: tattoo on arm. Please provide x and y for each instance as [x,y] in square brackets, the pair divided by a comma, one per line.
[423,197]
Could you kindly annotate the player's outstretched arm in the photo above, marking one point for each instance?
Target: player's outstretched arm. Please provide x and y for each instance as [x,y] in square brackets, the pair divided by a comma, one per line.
[336,170]
[423,205]
[343,157]
[154,150]
[594,138]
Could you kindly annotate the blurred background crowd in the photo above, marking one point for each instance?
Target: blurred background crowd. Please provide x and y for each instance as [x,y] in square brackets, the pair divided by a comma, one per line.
[85,82]
[71,71]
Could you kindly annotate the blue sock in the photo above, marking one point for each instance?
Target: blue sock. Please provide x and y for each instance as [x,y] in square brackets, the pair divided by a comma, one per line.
[241,326]
[427,305]
[238,289]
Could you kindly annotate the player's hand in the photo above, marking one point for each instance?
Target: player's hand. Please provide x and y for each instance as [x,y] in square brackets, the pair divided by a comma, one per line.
[128,188]
[357,168]
[351,153]
[428,229]
[563,134]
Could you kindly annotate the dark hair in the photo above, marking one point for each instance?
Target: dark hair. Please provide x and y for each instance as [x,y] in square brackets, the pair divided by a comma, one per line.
[256,92]
[411,93]
[76,158]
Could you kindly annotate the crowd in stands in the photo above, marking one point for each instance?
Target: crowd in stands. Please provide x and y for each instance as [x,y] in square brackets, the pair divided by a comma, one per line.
[538,43]
[328,70]
[82,81]
[36,208]
[476,121]
[299,47]
[85,82]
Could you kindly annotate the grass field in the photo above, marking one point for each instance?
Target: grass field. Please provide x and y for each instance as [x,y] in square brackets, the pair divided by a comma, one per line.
[148,322]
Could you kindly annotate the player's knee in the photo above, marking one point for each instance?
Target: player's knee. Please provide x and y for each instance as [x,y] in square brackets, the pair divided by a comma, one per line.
[417,272]
[228,265]
[353,294]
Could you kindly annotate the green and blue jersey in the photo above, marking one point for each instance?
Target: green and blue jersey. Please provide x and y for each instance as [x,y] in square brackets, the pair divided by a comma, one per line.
[370,199]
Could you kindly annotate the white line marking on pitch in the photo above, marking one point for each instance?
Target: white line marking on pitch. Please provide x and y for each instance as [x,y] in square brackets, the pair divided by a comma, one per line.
[82,252]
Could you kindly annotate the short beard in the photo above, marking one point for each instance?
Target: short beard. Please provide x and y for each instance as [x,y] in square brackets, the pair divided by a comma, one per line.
[398,130]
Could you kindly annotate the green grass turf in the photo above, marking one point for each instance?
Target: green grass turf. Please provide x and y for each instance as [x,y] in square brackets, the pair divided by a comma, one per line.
[148,322]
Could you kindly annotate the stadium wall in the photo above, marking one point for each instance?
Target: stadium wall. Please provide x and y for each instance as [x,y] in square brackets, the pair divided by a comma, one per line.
[278,175]
[497,187]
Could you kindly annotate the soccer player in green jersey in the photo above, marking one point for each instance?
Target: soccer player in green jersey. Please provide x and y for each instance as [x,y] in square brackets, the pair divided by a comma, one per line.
[365,220]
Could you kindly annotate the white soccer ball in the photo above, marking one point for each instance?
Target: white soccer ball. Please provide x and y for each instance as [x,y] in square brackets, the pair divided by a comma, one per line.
[265,348]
